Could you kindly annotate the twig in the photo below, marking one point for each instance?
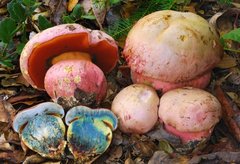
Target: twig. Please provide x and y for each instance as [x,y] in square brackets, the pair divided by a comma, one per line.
[228,113]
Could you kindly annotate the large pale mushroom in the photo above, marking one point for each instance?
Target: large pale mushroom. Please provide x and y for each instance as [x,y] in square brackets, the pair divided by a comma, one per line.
[169,49]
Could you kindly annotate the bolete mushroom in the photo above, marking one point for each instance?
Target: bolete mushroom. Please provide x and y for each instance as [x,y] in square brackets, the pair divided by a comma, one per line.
[136,107]
[189,113]
[169,49]
[67,42]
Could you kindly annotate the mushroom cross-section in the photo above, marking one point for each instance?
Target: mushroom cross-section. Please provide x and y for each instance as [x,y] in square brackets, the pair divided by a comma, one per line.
[169,49]
[66,41]
[42,130]
[89,132]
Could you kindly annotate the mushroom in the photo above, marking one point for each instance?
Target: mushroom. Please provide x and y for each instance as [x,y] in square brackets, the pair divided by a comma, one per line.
[189,113]
[169,49]
[136,107]
[77,82]
[42,130]
[65,42]
[90,132]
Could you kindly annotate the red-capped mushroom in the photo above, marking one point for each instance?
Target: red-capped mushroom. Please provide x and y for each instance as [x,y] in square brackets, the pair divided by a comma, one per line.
[50,44]
[189,113]
[169,49]
[54,47]
[136,107]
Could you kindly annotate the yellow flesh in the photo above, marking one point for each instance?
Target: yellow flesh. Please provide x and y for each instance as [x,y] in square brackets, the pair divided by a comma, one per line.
[71,55]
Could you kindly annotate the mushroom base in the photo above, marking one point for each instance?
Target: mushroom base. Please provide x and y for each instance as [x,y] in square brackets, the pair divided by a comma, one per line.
[198,82]
[187,137]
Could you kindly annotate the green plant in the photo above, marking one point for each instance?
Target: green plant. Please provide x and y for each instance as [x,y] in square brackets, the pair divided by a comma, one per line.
[19,13]
[233,35]
[122,26]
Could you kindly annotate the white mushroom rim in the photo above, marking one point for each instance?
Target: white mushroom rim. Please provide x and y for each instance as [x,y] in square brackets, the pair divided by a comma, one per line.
[44,108]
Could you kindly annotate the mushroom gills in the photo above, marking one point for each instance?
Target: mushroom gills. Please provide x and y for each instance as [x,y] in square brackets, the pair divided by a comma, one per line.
[90,132]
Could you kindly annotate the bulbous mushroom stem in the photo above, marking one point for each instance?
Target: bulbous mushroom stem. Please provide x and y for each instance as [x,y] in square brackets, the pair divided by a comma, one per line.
[75,82]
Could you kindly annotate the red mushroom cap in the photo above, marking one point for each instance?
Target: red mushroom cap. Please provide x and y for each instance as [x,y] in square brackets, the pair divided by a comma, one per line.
[36,55]
[66,77]
[173,47]
[189,113]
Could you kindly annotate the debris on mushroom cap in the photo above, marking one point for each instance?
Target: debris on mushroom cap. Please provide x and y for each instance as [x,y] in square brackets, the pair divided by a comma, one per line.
[35,57]
[42,129]
[189,110]
[172,47]
[44,108]
[90,132]
[66,79]
[136,107]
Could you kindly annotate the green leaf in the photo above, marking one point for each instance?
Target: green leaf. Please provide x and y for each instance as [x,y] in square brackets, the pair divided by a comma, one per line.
[7,29]
[232,35]
[77,12]
[164,145]
[16,11]
[43,23]
[20,48]
[114,2]
[29,2]
[90,17]
[67,19]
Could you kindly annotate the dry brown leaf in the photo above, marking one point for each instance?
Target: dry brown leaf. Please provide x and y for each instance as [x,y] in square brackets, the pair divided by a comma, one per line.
[99,9]
[227,62]
[33,159]
[72,4]
[129,161]
[234,76]
[6,116]
[4,145]
[15,156]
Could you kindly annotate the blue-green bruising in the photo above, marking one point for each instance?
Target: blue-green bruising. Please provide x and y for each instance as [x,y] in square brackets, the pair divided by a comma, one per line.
[103,114]
[44,133]
[86,137]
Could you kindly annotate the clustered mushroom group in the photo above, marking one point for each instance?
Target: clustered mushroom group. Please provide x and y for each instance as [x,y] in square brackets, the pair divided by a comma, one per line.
[167,51]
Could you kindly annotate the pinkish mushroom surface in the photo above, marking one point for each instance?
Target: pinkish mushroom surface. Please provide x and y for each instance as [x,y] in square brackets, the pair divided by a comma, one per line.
[169,49]
[189,113]
[75,82]
[136,107]
[66,41]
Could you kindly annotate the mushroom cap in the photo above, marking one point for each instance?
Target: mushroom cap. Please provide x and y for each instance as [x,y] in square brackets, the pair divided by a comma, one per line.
[172,46]
[189,109]
[66,77]
[37,53]
[136,107]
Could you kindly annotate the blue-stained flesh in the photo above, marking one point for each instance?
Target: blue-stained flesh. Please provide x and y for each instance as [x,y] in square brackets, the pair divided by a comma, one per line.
[45,134]
[90,132]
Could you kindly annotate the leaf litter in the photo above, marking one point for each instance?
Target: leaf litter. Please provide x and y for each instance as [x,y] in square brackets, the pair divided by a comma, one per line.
[129,148]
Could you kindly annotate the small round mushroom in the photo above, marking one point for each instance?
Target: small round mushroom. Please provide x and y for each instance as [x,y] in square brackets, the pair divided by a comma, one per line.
[89,132]
[76,82]
[136,107]
[169,49]
[42,130]
[189,113]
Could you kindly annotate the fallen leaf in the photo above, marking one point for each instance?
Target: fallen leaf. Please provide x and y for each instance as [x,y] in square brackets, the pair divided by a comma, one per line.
[99,8]
[217,157]
[72,4]
[4,145]
[34,159]
[6,116]
[115,154]
[234,77]
[227,62]
[15,156]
